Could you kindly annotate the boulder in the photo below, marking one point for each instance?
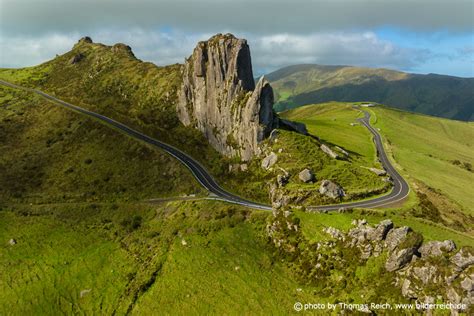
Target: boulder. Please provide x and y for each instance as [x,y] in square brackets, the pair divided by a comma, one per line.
[379,172]
[396,236]
[306,175]
[436,248]
[468,283]
[329,151]
[331,189]
[399,259]
[12,242]
[244,167]
[381,230]
[463,258]
[269,161]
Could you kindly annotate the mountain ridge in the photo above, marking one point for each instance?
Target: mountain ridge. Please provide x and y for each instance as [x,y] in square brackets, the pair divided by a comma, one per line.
[432,94]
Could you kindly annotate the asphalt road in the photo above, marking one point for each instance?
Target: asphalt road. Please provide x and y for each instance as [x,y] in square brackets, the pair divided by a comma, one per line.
[398,193]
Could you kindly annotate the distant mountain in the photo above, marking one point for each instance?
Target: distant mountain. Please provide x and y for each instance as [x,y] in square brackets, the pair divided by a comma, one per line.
[438,95]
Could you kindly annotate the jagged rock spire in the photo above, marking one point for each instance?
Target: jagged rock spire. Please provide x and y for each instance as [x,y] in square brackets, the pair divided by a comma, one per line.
[220,98]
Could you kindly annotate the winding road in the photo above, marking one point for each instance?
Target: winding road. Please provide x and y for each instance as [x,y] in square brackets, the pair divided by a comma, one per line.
[399,192]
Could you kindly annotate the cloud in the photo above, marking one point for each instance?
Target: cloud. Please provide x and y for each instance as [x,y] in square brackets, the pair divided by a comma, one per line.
[252,16]
[357,49]
[21,51]
[269,52]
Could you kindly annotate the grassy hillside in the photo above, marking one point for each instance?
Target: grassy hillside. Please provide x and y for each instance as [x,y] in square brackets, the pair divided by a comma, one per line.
[438,152]
[437,95]
[106,258]
[434,154]
[111,81]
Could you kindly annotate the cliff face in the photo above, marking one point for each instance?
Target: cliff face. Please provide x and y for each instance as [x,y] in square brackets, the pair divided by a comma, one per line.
[219,97]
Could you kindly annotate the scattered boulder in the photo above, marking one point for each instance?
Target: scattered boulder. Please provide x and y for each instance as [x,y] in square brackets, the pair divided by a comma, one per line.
[396,236]
[331,189]
[183,242]
[244,167]
[379,172]
[269,161]
[76,58]
[436,248]
[399,259]
[12,242]
[306,176]
[329,151]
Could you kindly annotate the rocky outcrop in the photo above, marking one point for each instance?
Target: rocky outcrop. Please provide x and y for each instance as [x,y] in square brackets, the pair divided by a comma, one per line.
[436,248]
[219,97]
[331,189]
[306,176]
[416,269]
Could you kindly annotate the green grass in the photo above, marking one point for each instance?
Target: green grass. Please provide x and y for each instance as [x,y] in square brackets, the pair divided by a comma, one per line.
[64,249]
[426,147]
[331,122]
[50,155]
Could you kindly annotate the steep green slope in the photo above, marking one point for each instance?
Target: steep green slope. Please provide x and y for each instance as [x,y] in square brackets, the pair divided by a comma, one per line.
[434,154]
[437,95]
[438,152]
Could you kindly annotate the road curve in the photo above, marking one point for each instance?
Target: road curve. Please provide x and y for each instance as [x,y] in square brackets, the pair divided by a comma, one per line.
[398,193]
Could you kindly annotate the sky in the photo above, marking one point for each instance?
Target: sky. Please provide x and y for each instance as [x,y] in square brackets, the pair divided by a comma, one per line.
[419,36]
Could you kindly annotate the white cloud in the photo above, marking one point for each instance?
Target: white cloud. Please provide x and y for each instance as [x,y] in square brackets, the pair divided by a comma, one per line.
[268,52]
[357,49]
[22,51]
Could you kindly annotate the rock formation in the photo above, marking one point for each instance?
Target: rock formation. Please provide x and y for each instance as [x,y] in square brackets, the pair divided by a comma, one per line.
[425,273]
[219,97]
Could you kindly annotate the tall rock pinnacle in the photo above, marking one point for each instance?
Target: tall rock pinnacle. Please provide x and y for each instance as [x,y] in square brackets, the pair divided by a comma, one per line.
[219,97]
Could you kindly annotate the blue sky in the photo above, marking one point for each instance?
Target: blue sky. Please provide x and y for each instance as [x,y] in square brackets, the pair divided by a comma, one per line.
[421,36]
